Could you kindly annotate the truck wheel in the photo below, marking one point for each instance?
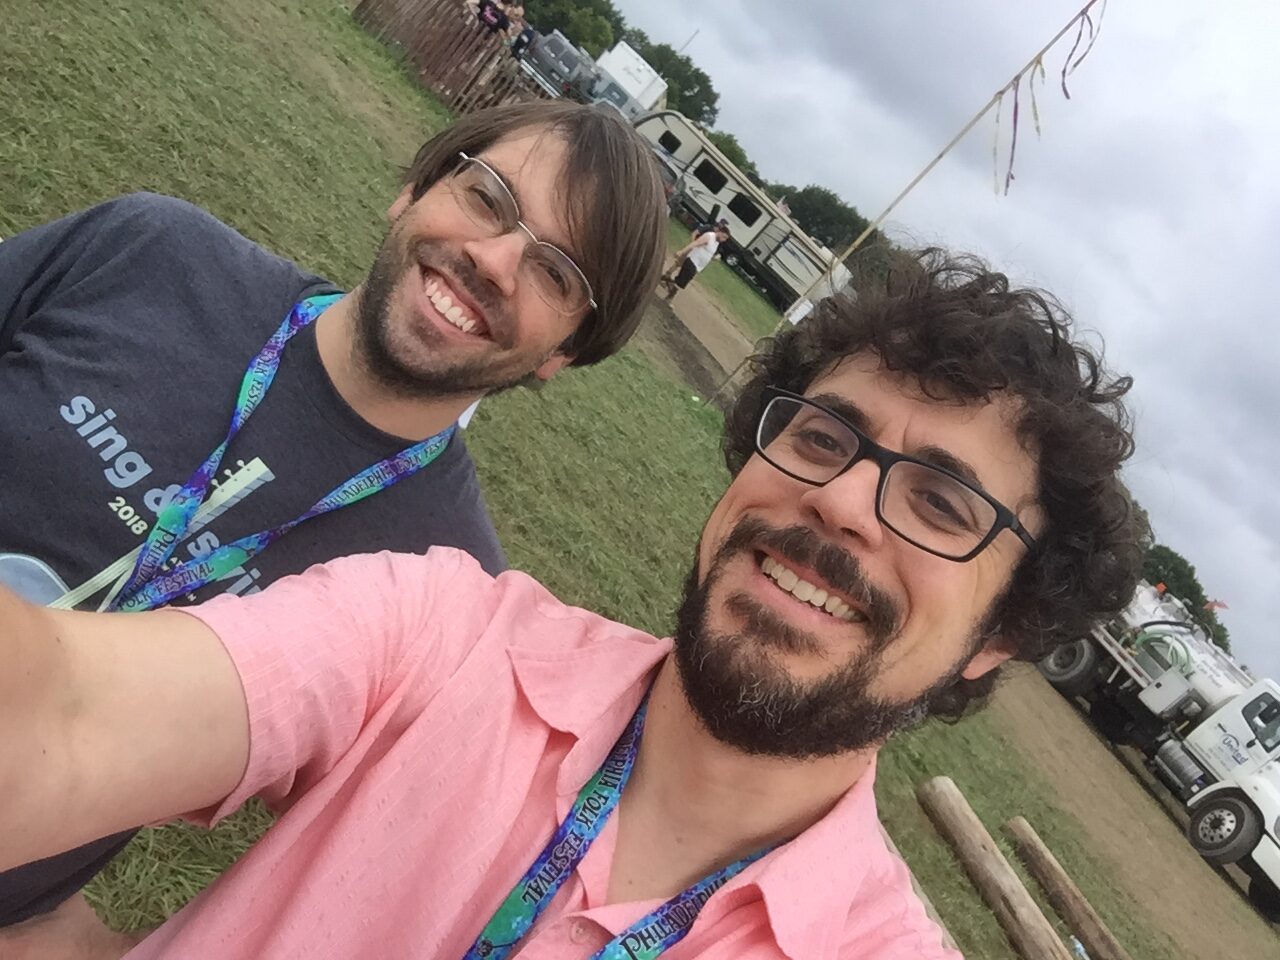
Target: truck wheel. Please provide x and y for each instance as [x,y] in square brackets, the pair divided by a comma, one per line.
[1265,898]
[731,259]
[1224,829]
[1072,668]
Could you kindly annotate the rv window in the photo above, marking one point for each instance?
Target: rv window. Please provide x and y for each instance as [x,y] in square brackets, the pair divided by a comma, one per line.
[711,176]
[669,142]
[744,210]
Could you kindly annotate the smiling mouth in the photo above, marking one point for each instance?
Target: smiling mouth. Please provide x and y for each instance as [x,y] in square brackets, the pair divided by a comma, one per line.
[452,308]
[803,590]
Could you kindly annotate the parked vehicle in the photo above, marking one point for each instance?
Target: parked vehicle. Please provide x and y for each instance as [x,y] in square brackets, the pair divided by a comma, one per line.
[1210,731]
[566,69]
[632,75]
[765,244]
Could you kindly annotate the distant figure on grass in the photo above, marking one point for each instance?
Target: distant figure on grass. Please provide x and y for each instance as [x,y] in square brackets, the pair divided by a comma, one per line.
[925,485]
[526,239]
[693,257]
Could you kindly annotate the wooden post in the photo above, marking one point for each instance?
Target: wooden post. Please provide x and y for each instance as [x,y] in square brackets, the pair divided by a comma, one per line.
[1027,929]
[1063,893]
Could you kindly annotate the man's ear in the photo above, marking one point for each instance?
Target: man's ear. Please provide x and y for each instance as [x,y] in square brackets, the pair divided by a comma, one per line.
[993,653]
[553,365]
[400,204]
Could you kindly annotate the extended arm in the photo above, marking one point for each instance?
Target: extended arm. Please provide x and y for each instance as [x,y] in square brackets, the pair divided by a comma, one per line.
[108,721]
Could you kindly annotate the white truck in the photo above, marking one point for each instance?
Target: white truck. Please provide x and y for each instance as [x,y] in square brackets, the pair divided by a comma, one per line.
[765,245]
[1209,729]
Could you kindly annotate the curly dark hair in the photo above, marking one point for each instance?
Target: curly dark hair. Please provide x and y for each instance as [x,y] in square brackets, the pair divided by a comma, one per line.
[966,334]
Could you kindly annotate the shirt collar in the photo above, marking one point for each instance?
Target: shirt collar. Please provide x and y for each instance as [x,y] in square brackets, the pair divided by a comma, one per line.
[810,884]
[591,689]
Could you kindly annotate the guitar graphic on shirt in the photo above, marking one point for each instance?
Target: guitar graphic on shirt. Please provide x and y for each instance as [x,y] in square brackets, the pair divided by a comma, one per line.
[37,582]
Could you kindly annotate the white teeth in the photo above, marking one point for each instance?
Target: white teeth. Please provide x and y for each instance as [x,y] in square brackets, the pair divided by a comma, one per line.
[455,313]
[790,581]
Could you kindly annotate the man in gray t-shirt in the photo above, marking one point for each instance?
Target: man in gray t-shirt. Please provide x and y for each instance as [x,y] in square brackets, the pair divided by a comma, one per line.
[126,330]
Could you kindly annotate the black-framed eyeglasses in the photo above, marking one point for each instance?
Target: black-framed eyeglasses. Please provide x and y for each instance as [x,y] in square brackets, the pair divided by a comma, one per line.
[922,503]
[485,198]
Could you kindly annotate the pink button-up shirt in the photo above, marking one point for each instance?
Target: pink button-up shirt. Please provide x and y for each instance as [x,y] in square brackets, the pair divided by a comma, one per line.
[423,727]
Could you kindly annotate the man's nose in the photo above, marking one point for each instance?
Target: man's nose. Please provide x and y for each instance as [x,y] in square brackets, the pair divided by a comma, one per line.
[846,506]
[498,259]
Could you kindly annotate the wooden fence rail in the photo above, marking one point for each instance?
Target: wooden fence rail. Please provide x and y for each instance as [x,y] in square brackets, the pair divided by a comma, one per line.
[452,55]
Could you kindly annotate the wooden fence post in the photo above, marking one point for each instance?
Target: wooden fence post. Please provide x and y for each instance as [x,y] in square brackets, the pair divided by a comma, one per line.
[1030,933]
[1063,893]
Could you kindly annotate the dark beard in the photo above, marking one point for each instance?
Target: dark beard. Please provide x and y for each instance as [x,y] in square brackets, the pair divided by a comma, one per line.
[747,700]
[374,339]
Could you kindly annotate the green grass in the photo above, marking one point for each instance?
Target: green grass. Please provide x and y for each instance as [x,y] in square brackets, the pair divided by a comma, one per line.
[287,121]
[754,315]
[999,785]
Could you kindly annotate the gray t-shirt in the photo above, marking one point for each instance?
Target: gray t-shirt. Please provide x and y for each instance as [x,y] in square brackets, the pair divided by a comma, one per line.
[124,333]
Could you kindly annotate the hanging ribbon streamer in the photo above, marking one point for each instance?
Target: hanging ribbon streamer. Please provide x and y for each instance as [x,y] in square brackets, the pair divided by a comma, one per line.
[1086,23]
[1037,67]
[995,146]
[1087,31]
[1013,138]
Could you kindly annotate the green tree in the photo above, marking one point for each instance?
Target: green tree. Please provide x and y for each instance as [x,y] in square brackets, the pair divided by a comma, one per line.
[728,144]
[1165,565]
[548,15]
[822,213]
[689,88]
[590,30]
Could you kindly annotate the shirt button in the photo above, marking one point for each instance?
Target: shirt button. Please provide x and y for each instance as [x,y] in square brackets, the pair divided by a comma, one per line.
[578,932]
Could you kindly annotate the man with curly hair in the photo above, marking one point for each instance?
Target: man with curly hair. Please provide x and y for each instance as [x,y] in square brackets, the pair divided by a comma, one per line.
[925,485]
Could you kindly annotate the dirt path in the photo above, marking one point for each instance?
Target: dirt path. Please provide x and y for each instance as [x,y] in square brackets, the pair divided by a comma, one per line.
[1150,857]
[707,320]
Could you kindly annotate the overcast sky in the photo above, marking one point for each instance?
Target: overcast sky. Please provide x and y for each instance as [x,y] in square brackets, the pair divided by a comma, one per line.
[1150,205]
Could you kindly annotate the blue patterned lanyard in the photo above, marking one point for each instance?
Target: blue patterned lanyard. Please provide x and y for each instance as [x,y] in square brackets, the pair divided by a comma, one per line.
[150,585]
[645,939]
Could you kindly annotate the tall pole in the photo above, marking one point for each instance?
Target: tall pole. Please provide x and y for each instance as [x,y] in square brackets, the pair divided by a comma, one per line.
[689,41]
[875,224]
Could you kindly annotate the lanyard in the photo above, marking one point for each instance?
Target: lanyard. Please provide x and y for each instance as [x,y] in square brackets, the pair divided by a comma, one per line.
[150,585]
[645,939]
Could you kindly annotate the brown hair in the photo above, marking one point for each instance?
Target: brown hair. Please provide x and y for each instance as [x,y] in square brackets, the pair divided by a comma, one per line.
[617,207]
[966,334]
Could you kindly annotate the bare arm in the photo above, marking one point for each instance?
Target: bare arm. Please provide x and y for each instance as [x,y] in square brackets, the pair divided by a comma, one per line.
[108,721]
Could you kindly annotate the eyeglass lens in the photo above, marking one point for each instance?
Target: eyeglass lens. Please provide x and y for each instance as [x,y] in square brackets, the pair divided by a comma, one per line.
[489,204]
[920,503]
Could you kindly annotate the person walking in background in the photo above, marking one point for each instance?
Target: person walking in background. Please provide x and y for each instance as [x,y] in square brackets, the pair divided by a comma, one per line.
[692,259]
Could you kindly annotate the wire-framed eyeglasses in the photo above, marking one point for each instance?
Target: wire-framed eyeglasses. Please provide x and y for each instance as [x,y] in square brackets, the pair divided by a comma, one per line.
[924,504]
[483,195]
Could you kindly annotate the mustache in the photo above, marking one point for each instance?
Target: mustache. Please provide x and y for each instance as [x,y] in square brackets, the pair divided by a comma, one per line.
[462,272]
[836,566]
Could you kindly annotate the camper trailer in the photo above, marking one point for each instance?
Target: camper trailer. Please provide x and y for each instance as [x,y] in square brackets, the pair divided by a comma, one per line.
[766,244]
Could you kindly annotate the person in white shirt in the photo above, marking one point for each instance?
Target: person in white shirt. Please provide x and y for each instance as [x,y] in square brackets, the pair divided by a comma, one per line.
[692,258]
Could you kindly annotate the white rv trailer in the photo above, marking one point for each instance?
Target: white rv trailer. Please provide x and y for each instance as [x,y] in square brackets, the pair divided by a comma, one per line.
[766,243]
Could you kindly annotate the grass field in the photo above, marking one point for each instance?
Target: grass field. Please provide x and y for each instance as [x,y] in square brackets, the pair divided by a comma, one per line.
[285,120]
[743,302]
